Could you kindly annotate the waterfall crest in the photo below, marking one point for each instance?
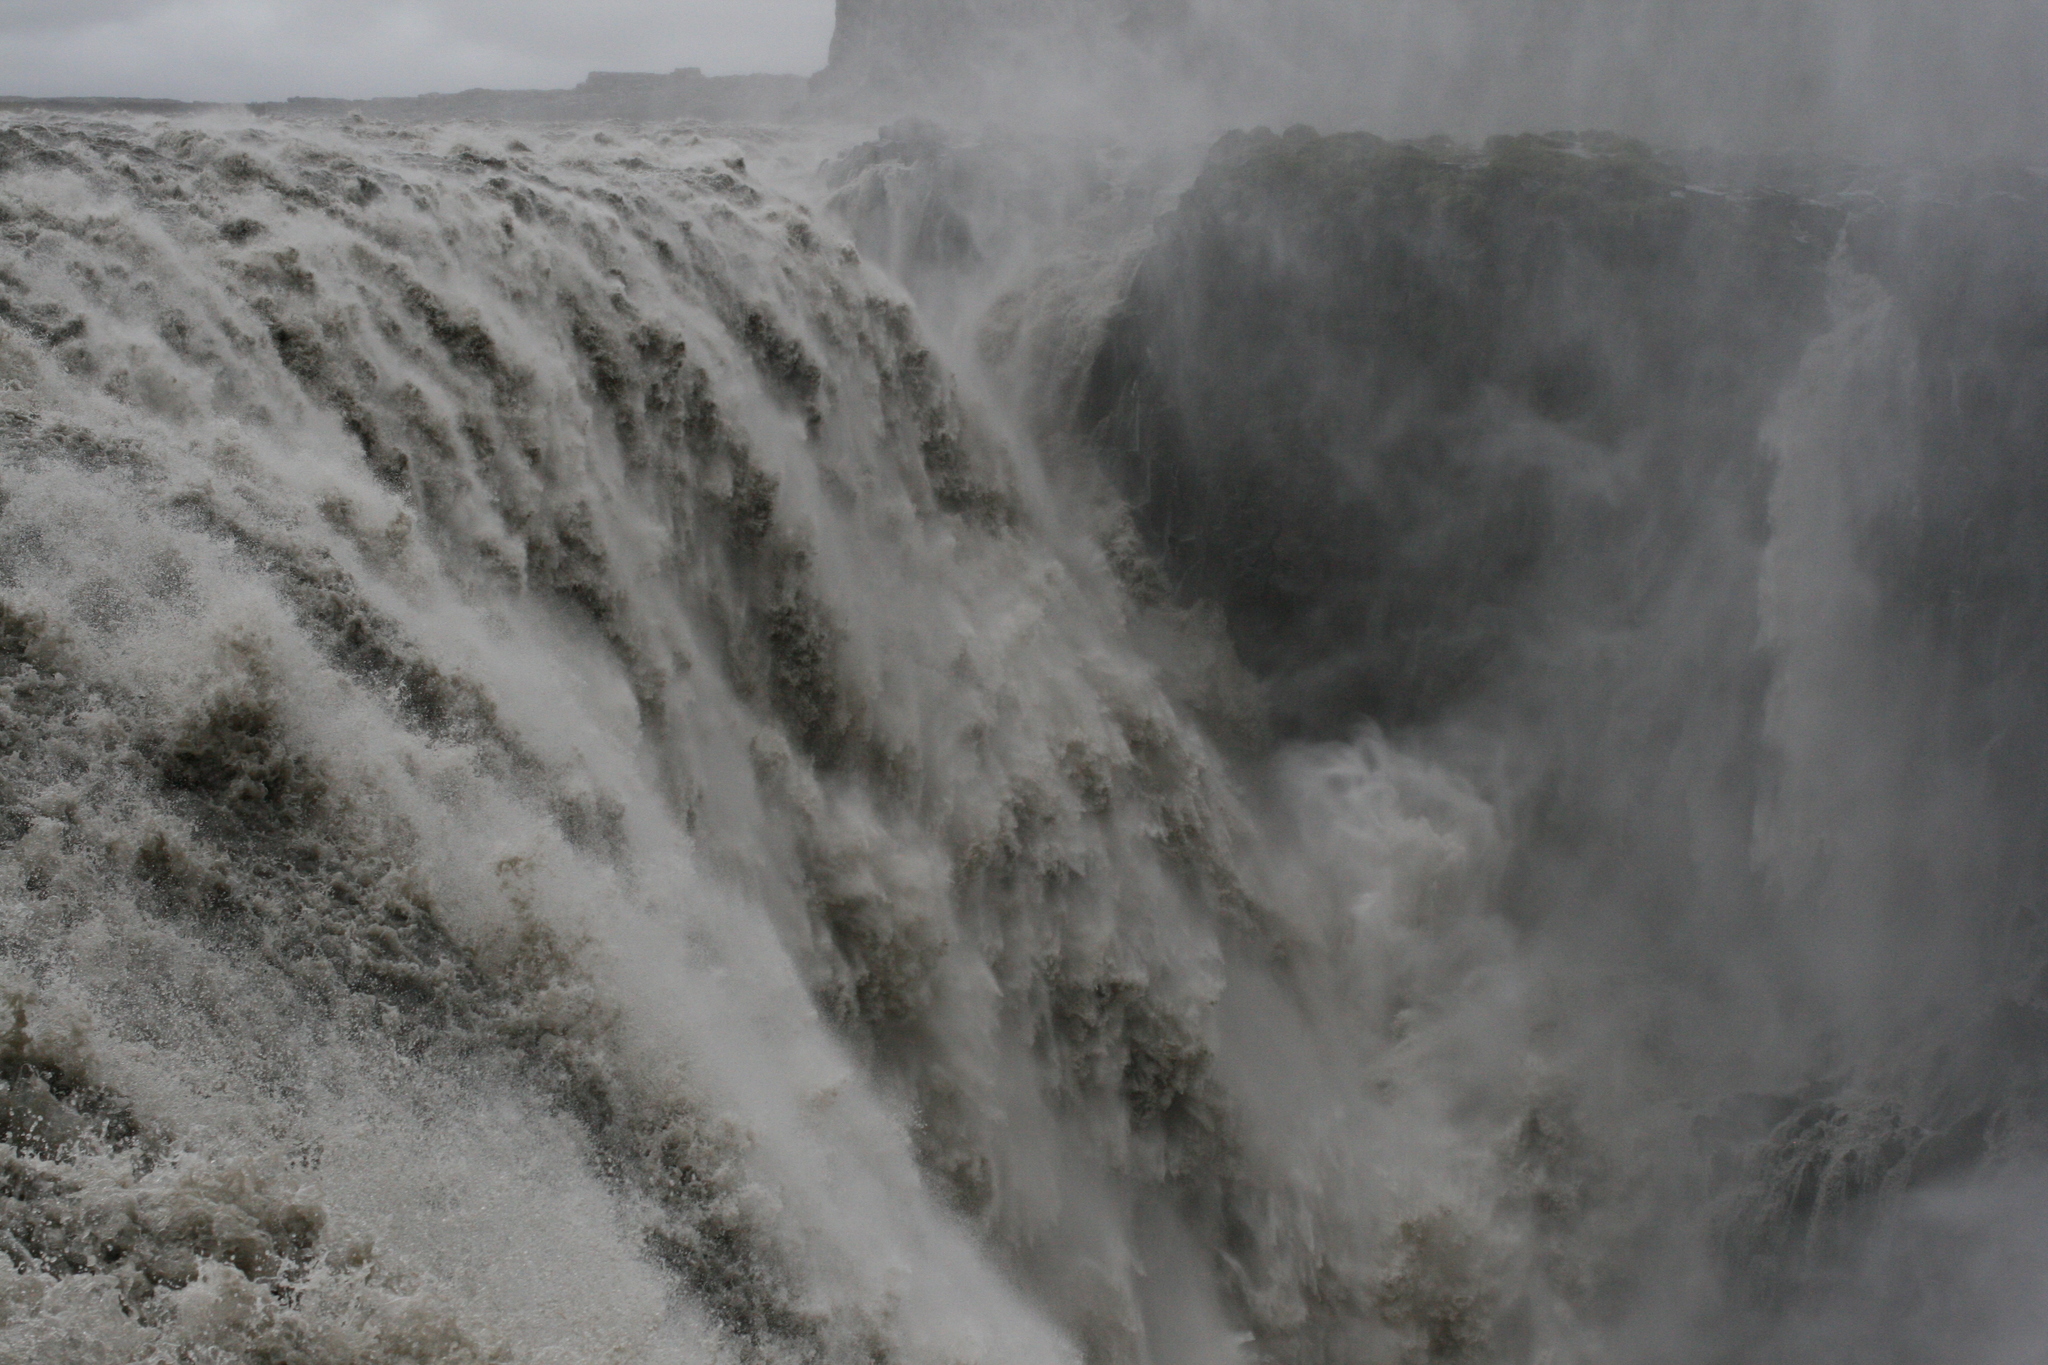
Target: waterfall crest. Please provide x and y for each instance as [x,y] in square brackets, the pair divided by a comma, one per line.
[573,800]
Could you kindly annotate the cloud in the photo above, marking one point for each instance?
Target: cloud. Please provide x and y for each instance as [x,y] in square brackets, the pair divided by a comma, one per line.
[269,49]
[18,16]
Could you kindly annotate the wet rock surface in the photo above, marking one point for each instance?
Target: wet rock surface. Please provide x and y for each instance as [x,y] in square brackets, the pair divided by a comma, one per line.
[1394,404]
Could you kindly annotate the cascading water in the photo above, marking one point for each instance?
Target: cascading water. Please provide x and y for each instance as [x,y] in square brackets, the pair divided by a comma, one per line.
[587,778]
[572,800]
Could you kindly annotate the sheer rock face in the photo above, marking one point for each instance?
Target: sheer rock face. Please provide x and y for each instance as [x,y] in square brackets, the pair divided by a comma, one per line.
[1536,430]
[1404,407]
[1390,403]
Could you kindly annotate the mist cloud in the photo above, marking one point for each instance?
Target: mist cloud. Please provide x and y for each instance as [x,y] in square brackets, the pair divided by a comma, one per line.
[270,49]
[1883,79]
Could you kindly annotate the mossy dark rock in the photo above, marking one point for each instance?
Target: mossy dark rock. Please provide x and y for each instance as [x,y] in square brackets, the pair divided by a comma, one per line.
[236,757]
[48,1099]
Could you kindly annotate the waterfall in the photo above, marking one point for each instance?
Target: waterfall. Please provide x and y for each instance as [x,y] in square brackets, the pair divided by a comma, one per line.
[606,759]
[572,799]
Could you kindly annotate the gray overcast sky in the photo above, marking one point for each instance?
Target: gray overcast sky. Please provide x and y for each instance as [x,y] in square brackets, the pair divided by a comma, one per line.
[268,49]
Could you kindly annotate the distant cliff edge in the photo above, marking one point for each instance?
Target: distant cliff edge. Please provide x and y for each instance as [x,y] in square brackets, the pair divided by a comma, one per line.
[630,95]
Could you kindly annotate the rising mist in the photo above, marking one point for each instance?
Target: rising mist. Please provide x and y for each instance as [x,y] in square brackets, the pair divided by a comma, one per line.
[1078,730]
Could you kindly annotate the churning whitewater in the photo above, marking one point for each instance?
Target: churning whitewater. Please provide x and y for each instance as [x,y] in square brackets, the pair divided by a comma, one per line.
[1384,770]
[574,802]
